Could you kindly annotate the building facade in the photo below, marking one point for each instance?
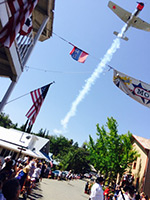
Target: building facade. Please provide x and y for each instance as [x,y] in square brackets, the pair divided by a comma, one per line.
[14,59]
[141,167]
[19,144]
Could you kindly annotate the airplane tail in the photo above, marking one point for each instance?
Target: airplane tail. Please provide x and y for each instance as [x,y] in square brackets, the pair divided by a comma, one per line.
[124,38]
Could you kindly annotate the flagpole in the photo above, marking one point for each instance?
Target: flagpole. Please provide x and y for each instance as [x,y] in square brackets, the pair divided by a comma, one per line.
[29,128]
[25,126]
[21,96]
[17,98]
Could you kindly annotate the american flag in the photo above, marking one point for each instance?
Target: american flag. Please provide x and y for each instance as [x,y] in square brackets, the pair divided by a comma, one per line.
[38,97]
[20,10]
[27,27]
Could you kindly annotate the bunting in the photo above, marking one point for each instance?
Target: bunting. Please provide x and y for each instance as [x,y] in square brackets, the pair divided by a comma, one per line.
[136,89]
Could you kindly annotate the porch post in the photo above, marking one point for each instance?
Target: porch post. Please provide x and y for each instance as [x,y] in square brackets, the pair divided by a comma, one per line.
[8,93]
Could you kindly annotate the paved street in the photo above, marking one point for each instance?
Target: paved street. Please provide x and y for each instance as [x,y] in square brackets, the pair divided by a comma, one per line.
[50,189]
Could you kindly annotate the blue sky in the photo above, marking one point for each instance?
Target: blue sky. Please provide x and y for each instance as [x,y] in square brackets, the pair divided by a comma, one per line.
[88,25]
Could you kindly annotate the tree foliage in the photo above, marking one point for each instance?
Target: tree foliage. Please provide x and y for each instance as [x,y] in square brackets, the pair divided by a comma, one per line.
[59,145]
[6,122]
[76,160]
[111,153]
[70,156]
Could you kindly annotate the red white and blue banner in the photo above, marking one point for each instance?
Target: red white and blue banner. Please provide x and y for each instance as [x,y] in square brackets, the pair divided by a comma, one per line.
[78,55]
[136,89]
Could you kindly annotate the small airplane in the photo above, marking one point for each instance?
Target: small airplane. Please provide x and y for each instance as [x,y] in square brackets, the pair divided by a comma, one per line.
[130,19]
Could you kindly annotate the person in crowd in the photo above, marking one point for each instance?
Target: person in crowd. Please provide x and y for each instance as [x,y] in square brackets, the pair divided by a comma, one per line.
[1,194]
[19,168]
[36,175]
[6,159]
[8,171]
[59,175]
[116,192]
[143,196]
[97,190]
[11,189]
[22,175]
[137,196]
[47,170]
[19,161]
[32,167]
[128,194]
[111,196]
[106,192]
[90,185]
[0,164]
[86,187]
[43,169]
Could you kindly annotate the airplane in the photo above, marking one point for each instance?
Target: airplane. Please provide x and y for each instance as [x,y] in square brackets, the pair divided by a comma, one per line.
[130,19]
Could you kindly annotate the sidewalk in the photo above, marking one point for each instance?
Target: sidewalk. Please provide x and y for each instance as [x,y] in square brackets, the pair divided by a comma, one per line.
[50,189]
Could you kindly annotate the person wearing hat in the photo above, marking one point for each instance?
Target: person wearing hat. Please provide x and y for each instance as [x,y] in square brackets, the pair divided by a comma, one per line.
[97,190]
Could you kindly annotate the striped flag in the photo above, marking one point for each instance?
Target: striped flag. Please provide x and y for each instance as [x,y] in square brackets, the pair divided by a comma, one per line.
[16,5]
[27,27]
[38,97]
[20,10]
[78,55]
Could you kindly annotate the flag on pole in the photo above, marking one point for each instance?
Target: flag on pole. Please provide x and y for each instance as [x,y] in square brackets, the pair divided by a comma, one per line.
[136,89]
[38,97]
[78,55]
[20,10]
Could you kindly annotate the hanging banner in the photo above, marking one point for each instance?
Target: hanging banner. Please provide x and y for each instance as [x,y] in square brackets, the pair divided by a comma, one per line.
[136,89]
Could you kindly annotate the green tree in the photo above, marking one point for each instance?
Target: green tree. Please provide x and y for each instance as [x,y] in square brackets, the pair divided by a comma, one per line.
[76,160]
[6,122]
[111,153]
[43,133]
[59,146]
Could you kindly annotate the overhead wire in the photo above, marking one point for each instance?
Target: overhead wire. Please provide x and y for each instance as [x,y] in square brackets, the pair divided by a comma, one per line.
[65,72]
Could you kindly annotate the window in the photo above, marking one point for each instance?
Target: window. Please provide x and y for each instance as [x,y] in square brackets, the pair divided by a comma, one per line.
[134,165]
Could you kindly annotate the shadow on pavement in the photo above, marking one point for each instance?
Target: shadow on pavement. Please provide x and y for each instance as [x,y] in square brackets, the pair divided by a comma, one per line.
[35,194]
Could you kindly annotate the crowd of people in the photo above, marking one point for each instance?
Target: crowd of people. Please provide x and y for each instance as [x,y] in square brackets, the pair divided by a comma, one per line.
[20,176]
[125,191]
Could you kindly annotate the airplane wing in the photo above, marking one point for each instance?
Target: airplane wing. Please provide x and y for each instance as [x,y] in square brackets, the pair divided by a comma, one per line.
[140,24]
[120,12]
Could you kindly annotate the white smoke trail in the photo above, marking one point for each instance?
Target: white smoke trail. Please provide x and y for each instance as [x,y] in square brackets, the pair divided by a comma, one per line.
[91,80]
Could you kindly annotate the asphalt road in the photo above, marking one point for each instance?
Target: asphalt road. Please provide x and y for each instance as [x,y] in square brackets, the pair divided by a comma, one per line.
[50,189]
